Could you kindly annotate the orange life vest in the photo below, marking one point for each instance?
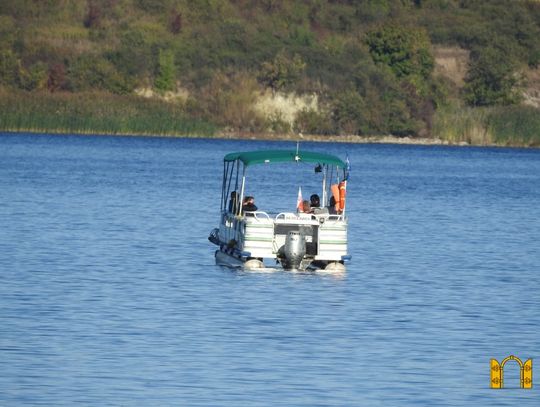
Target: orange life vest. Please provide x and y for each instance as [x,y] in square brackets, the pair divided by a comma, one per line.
[335,193]
[342,194]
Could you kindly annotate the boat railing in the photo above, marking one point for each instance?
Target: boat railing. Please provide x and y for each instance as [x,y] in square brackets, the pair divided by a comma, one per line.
[333,217]
[291,216]
[257,215]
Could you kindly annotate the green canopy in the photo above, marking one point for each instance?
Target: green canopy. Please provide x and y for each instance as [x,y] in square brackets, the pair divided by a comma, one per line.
[276,156]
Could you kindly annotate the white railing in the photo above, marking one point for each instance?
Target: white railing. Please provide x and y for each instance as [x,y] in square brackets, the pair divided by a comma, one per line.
[257,215]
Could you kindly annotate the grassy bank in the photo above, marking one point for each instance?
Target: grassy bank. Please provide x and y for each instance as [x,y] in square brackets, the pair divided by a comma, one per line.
[517,126]
[104,113]
[95,113]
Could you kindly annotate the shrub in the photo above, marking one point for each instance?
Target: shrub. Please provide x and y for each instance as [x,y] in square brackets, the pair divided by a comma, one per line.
[9,65]
[165,77]
[276,124]
[86,73]
[134,56]
[229,100]
[34,78]
[309,121]
[282,71]
[349,113]
[57,79]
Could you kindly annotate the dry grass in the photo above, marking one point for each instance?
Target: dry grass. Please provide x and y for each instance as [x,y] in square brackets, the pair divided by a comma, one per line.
[452,63]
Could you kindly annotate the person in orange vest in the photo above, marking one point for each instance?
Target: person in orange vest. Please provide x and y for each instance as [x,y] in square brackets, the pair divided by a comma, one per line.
[306,207]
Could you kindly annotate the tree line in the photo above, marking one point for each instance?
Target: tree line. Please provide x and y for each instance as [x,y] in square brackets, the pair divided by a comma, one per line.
[370,62]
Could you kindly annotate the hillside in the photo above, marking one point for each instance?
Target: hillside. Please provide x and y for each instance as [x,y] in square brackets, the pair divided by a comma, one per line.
[367,67]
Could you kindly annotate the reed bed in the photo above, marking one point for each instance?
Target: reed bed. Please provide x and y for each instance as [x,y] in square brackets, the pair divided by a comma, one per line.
[504,125]
[462,125]
[99,113]
[517,125]
[104,113]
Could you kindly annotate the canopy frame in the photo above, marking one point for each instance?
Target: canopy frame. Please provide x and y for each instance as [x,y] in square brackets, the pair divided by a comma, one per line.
[231,171]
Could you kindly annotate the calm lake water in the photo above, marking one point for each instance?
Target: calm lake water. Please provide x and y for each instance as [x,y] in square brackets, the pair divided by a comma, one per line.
[109,294]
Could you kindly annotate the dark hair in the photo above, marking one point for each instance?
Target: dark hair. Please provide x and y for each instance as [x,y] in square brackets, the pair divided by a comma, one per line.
[315,200]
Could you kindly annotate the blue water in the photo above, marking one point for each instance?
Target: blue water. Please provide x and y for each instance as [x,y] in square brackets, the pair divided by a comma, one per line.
[109,294]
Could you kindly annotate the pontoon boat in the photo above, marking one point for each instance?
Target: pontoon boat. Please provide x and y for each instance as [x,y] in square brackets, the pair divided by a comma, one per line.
[294,240]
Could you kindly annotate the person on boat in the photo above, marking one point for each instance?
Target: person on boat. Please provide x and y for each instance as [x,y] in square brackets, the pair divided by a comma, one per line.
[305,207]
[233,203]
[315,203]
[249,204]
[332,210]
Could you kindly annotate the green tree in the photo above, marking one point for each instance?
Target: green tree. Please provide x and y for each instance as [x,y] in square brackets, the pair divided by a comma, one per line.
[393,106]
[404,49]
[492,79]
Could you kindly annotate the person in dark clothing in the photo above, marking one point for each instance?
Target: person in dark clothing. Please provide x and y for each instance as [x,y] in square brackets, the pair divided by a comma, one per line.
[249,204]
[315,201]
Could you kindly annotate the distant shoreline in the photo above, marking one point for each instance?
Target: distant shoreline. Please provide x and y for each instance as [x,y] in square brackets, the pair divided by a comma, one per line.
[340,139]
[354,139]
[100,113]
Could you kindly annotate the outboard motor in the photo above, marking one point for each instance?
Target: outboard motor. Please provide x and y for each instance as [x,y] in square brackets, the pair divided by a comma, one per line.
[294,250]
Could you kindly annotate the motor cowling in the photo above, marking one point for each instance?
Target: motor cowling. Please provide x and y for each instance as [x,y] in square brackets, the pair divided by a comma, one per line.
[294,250]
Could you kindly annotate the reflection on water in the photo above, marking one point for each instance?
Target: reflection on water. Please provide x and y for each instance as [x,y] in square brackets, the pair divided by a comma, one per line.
[109,294]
